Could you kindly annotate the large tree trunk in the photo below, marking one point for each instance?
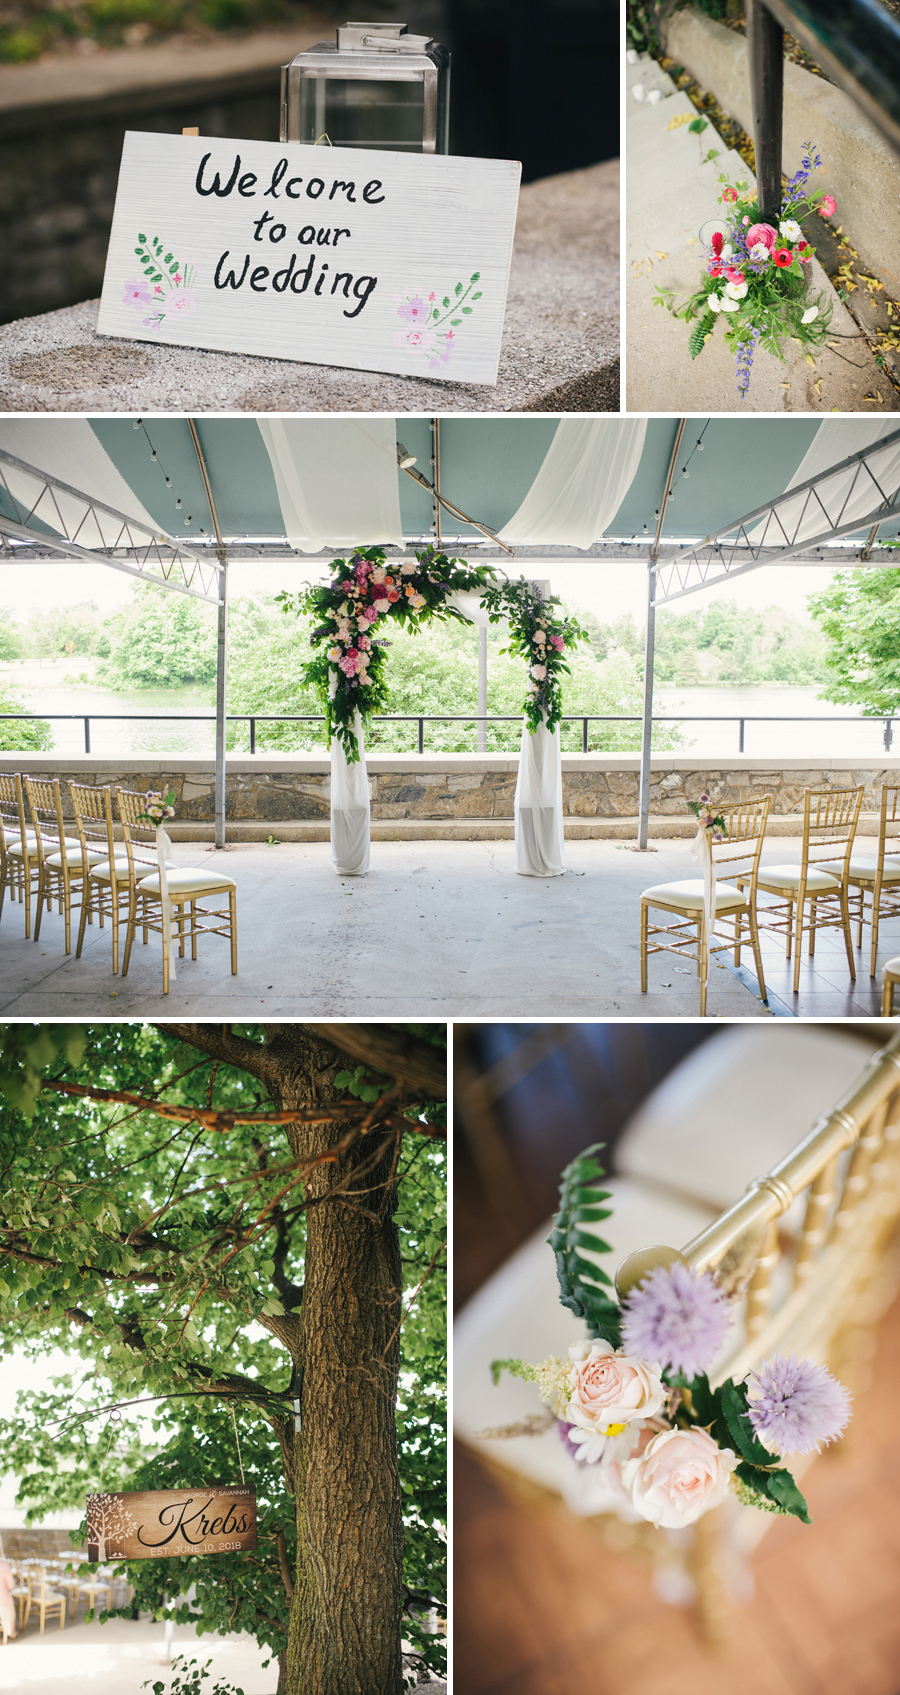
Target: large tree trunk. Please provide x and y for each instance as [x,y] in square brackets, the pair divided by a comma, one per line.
[345,1613]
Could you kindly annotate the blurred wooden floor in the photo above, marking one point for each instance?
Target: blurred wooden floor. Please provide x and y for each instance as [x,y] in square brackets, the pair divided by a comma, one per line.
[544,1607]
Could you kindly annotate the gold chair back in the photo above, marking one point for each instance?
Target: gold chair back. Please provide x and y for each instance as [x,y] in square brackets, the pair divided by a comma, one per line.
[830,817]
[745,826]
[94,819]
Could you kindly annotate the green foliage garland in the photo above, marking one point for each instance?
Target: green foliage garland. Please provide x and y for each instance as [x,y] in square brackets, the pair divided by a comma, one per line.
[538,634]
[363,594]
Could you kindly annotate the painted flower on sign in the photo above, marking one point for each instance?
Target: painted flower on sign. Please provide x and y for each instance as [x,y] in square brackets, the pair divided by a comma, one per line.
[432,322]
[166,285]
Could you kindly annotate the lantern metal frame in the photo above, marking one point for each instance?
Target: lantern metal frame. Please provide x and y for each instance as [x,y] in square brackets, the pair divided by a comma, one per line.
[364,52]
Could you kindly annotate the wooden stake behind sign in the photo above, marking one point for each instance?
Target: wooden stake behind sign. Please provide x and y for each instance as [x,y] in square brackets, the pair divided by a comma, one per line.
[150,1524]
[375,260]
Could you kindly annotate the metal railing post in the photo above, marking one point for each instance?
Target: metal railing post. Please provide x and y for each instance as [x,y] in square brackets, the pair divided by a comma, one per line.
[253,735]
[584,735]
[888,734]
[741,722]
[765,50]
[421,734]
[87,734]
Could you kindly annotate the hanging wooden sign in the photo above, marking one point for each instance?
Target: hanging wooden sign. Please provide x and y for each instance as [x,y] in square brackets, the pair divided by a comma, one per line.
[152,1523]
[380,261]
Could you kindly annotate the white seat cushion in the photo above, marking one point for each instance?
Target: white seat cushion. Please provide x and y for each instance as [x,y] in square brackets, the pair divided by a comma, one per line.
[73,856]
[861,865]
[778,878]
[689,894]
[892,968]
[737,1105]
[188,882]
[101,871]
[31,849]
[516,1314]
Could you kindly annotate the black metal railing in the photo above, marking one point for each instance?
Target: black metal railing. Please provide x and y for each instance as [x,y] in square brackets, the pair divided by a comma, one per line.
[856,43]
[420,719]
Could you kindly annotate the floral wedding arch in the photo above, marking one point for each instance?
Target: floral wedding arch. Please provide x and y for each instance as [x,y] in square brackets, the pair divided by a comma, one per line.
[351,615]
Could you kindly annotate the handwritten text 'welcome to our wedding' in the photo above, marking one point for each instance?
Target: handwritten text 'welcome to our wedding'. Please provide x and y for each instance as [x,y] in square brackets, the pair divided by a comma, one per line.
[271,227]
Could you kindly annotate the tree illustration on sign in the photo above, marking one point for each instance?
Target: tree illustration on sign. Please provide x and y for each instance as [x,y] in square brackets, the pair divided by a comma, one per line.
[108,1521]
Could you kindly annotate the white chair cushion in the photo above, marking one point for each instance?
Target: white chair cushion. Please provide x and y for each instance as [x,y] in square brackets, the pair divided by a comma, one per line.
[516,1314]
[689,895]
[863,866]
[737,1105]
[73,856]
[787,878]
[892,968]
[101,871]
[30,849]
[188,882]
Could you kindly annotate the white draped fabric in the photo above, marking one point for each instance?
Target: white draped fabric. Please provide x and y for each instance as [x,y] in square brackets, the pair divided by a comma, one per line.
[169,921]
[834,440]
[68,448]
[587,472]
[350,812]
[538,804]
[336,480]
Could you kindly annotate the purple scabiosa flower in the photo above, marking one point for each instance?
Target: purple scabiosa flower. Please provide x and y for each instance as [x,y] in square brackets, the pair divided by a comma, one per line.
[562,1431]
[794,1405]
[677,1317]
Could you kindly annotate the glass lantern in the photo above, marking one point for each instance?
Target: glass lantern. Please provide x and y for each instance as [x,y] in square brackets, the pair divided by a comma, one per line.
[375,86]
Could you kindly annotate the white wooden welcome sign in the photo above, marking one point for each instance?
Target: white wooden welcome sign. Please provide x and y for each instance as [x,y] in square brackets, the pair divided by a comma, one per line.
[380,261]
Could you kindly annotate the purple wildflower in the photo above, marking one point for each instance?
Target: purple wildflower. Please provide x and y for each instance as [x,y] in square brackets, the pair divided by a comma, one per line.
[562,1431]
[677,1317]
[794,1405]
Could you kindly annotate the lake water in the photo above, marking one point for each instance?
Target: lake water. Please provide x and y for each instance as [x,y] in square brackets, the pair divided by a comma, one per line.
[171,731]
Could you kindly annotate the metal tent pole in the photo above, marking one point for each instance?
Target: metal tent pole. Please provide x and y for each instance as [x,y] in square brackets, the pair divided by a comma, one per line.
[482,688]
[221,643]
[649,644]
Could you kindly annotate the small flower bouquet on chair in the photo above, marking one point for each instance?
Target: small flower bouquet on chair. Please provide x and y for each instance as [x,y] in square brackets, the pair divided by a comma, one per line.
[754,280]
[635,1403]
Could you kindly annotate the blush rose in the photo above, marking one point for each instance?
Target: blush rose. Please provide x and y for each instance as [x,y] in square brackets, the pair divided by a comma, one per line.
[608,1389]
[680,1476]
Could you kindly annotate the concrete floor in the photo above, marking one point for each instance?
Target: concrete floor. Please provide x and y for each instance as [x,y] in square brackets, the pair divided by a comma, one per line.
[437,930]
[669,197]
[120,1657]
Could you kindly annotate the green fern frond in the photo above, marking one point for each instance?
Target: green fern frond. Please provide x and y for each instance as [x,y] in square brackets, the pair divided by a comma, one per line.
[703,327]
[580,1281]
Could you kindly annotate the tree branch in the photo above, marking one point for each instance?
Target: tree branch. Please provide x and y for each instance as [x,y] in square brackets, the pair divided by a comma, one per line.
[212,1119]
[398,1054]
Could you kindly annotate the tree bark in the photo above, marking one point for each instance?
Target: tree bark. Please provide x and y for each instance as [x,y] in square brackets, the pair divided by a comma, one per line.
[345,1613]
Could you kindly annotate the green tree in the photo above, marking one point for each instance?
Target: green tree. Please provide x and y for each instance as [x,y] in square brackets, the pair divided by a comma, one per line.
[33,737]
[63,631]
[161,640]
[12,641]
[859,615]
[220,1223]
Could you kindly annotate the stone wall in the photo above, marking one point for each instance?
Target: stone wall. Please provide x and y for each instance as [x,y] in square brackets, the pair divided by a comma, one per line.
[295,787]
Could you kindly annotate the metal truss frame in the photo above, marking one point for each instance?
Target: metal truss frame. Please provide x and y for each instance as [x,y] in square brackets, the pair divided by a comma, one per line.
[779,530]
[150,555]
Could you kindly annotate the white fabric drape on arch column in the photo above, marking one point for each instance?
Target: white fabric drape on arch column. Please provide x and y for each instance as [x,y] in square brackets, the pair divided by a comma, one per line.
[350,811]
[587,472]
[538,804]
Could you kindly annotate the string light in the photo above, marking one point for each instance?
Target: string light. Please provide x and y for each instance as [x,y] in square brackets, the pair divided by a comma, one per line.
[155,460]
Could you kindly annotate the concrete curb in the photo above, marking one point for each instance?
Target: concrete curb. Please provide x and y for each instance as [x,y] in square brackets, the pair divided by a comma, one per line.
[623,829]
[560,349]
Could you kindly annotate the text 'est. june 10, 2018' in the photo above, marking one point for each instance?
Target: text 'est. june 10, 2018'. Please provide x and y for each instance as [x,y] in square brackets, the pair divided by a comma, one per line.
[374,260]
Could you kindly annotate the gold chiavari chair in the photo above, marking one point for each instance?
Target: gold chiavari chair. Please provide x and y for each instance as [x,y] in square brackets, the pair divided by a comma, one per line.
[890,977]
[803,1254]
[187,890]
[46,1601]
[63,865]
[876,879]
[745,829]
[109,868]
[19,860]
[810,897]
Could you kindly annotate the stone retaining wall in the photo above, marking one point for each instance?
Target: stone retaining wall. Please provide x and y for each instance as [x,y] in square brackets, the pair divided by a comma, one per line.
[461,786]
